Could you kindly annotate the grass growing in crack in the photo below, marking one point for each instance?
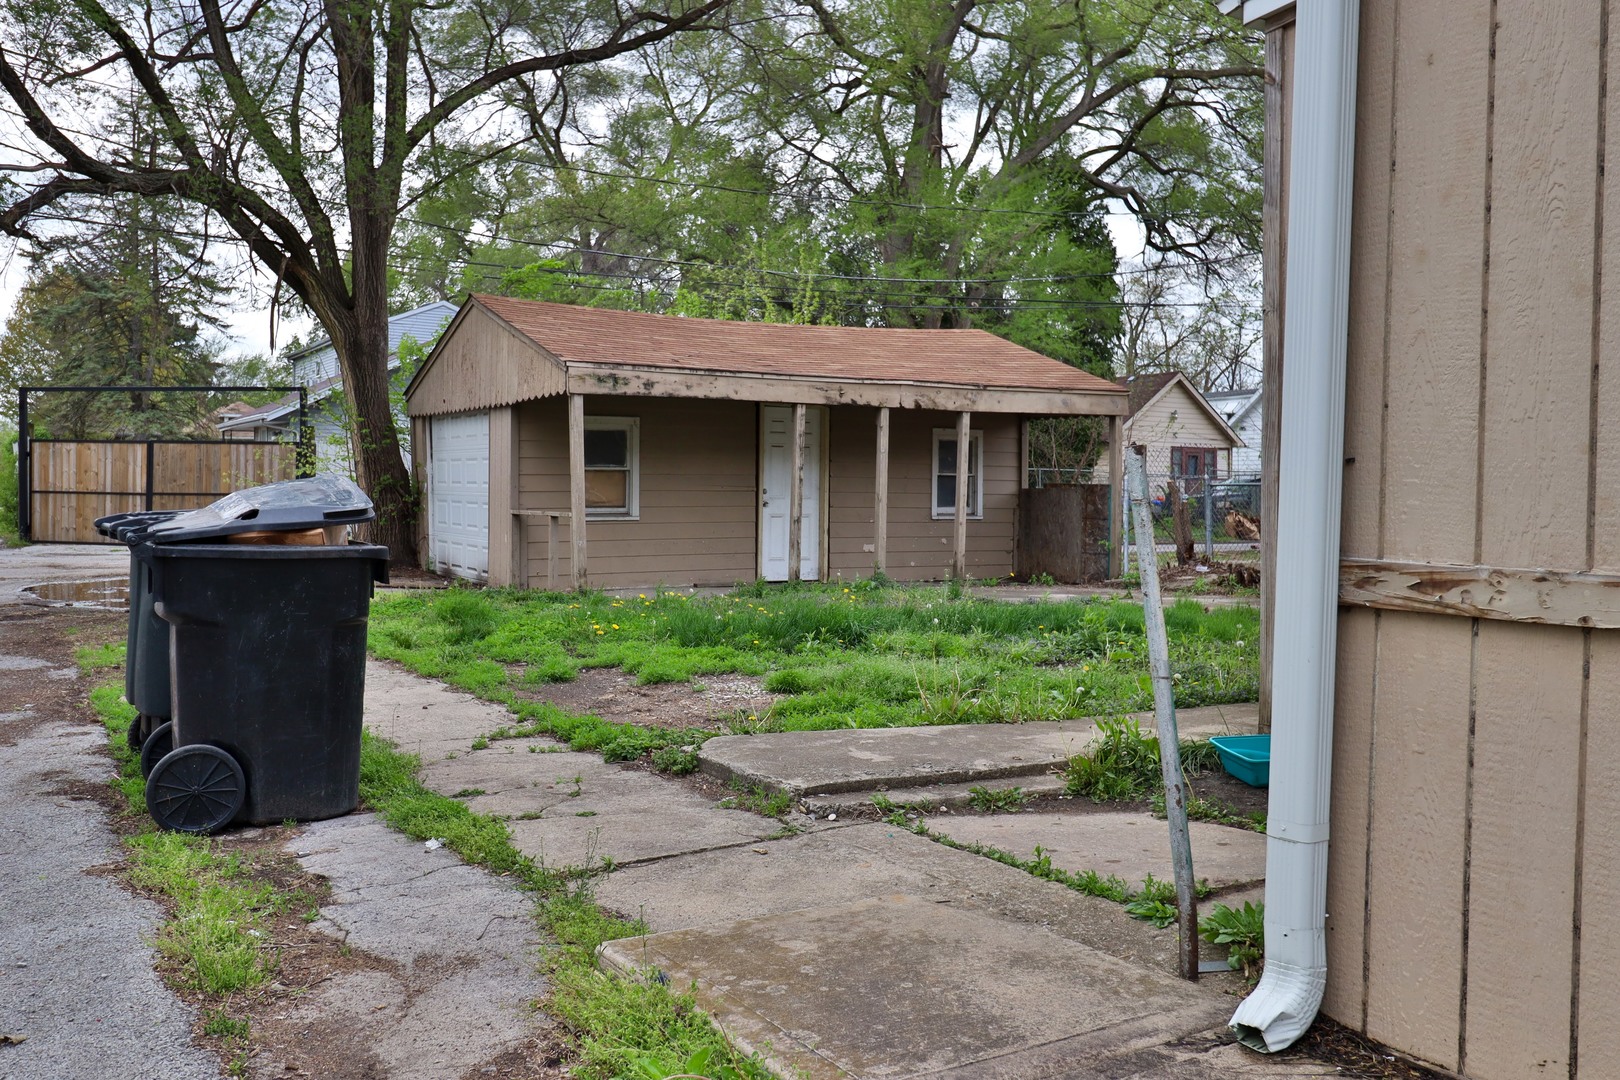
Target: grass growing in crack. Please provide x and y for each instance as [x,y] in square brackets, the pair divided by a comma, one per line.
[1086,882]
[676,760]
[773,804]
[1124,766]
[1004,801]
[616,1022]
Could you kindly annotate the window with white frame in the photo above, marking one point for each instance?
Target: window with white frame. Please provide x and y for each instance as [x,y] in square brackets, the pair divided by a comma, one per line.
[612,466]
[946,461]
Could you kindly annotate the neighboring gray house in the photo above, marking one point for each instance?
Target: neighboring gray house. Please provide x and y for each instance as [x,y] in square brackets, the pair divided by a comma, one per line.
[316,369]
[1241,411]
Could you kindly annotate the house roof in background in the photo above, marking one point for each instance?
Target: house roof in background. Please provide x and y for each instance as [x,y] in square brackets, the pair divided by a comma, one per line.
[1233,404]
[1146,389]
[956,358]
[421,323]
[277,410]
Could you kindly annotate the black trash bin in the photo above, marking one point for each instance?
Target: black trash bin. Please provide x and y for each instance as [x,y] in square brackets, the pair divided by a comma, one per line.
[146,652]
[323,500]
[269,648]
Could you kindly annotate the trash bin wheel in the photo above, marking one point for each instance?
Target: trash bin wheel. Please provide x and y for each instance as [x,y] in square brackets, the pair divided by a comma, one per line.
[158,742]
[195,789]
[137,732]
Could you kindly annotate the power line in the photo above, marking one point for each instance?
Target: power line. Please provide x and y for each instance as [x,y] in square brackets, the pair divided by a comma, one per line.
[929,299]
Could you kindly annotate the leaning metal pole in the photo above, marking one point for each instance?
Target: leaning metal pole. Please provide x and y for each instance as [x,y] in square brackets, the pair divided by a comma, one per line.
[1164,714]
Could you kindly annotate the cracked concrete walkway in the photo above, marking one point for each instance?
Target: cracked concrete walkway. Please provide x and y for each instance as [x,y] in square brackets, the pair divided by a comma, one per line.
[855,949]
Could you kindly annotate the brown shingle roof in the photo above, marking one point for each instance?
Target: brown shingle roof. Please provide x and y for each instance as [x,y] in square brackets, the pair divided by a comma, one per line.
[940,357]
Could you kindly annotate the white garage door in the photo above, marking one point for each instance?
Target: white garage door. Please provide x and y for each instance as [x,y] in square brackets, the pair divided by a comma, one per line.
[458,529]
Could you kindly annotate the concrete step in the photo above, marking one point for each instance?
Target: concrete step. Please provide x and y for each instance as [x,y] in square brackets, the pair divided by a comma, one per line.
[823,763]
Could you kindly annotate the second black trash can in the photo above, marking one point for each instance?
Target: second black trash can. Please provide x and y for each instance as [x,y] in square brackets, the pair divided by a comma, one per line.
[268,652]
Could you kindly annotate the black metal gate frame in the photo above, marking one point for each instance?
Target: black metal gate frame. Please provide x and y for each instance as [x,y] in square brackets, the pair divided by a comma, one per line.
[25,442]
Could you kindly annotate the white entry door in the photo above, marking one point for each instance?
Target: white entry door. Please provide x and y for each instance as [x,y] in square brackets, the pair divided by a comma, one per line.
[458,495]
[775,479]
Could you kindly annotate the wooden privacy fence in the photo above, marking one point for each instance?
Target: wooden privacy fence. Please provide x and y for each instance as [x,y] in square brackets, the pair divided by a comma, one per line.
[1065,532]
[72,483]
[66,484]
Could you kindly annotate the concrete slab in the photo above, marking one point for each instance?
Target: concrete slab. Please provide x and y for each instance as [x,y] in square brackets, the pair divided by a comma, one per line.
[1127,845]
[424,716]
[902,986]
[843,865]
[461,956]
[575,810]
[826,762]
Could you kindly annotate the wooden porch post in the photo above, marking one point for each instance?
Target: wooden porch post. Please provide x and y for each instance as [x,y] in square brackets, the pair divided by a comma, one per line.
[880,504]
[963,456]
[1116,496]
[796,495]
[576,483]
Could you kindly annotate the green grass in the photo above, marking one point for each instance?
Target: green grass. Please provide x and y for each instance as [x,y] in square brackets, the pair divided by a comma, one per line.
[213,934]
[864,655]
[9,535]
[96,657]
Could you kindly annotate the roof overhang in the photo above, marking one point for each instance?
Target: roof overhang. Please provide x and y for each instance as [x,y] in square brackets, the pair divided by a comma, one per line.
[1254,12]
[633,381]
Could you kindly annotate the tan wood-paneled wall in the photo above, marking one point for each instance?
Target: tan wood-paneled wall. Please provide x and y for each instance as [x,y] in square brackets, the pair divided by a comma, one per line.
[1474,877]
[920,545]
[700,495]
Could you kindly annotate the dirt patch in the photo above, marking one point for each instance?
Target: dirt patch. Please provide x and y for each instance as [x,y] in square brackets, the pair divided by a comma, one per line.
[712,703]
[1356,1055]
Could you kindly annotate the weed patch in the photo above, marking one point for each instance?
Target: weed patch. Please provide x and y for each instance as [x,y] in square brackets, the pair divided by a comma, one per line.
[774,804]
[1004,801]
[1243,931]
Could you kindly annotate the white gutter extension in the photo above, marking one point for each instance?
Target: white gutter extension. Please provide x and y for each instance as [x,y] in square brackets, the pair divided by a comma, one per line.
[1310,482]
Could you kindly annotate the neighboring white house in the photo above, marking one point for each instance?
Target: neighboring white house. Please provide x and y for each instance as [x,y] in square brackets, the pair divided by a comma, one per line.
[1241,411]
[316,369]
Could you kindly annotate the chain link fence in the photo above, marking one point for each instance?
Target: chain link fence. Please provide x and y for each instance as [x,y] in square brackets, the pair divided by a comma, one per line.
[1222,511]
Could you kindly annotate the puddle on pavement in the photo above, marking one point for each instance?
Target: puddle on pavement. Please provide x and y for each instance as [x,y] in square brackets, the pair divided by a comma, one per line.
[108,594]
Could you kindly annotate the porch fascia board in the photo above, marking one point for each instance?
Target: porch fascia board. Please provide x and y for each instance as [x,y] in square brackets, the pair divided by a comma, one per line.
[619,380]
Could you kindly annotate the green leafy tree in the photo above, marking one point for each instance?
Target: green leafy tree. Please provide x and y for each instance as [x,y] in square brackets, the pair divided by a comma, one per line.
[308,128]
[123,301]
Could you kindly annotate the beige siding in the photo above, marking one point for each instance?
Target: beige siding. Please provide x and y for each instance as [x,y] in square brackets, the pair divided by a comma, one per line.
[1474,864]
[919,544]
[699,501]
[1175,419]
[482,363]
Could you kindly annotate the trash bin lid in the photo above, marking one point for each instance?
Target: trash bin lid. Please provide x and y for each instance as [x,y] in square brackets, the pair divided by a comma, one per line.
[323,499]
[125,527]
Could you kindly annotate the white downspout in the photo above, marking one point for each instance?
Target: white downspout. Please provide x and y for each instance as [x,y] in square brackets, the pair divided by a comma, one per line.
[1311,479]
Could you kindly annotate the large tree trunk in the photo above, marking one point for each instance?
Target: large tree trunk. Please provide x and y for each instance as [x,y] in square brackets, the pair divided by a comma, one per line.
[362,350]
